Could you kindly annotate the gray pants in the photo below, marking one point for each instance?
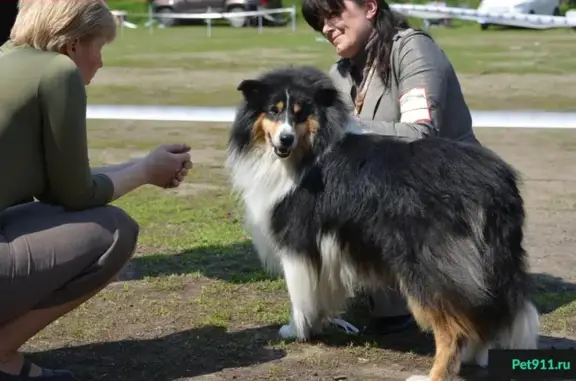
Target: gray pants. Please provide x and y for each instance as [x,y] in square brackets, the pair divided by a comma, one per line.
[388,302]
[49,256]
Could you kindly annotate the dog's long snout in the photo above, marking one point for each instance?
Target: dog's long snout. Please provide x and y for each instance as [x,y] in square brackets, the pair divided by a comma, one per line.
[286,139]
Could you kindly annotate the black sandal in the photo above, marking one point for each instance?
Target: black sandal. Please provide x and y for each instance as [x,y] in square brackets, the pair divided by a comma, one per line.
[45,375]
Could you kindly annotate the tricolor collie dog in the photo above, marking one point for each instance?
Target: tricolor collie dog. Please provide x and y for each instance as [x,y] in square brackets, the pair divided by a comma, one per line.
[336,210]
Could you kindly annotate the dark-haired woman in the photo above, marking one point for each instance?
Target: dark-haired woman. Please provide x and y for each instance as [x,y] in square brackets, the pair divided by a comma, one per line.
[397,82]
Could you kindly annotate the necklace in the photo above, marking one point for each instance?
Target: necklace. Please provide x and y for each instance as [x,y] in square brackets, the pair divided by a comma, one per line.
[363,89]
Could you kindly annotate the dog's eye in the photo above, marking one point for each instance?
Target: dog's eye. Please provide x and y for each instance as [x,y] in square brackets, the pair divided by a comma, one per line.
[302,114]
[273,110]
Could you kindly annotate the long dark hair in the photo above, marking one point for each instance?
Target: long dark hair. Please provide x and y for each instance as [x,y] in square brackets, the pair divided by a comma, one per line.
[386,24]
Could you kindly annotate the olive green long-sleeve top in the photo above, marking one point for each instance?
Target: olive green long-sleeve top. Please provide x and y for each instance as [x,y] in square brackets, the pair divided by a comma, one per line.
[43,136]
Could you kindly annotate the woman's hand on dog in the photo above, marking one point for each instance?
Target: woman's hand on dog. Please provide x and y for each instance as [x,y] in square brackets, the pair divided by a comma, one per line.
[167,165]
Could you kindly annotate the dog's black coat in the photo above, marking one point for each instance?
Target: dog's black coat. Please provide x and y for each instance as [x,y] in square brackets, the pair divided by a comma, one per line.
[396,205]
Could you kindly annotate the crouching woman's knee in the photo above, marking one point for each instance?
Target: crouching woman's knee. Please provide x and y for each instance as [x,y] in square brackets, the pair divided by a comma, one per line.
[100,241]
[125,237]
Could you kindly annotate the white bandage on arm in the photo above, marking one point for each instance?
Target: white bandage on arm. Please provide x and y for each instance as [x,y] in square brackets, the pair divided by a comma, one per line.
[415,107]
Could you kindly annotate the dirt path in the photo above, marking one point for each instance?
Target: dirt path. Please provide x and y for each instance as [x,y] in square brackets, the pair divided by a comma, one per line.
[508,87]
[547,162]
[483,91]
[502,86]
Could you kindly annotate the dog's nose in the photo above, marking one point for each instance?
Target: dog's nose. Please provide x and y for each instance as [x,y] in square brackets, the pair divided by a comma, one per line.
[286,139]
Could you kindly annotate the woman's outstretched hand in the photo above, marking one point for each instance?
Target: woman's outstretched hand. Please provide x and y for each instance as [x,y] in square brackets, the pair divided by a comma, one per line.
[180,175]
[167,165]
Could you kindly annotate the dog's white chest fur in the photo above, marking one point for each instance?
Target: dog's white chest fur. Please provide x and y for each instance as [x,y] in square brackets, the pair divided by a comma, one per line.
[263,181]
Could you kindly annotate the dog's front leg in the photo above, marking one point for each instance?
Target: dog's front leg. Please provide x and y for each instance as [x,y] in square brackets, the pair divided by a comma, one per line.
[268,257]
[302,282]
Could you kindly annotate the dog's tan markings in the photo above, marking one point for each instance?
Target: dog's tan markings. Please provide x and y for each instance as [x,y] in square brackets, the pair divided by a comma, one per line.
[449,328]
[306,131]
[280,106]
[309,127]
[301,129]
[270,127]
[312,125]
[258,131]
[297,108]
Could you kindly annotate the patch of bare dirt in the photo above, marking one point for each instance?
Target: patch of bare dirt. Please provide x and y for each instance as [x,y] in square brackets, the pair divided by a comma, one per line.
[207,155]
[550,242]
[115,155]
[121,155]
[198,79]
[125,133]
[483,91]
[190,189]
[548,169]
[512,41]
[259,55]
[256,55]
[203,77]
[507,86]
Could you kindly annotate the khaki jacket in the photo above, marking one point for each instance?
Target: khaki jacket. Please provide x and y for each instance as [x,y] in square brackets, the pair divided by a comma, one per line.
[424,98]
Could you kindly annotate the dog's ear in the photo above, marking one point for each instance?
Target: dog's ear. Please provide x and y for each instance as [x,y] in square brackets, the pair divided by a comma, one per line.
[252,89]
[326,96]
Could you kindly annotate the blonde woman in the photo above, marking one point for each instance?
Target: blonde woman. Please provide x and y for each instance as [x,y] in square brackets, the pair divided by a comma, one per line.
[60,250]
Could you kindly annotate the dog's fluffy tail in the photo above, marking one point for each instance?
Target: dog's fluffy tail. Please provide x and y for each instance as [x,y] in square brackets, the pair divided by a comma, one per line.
[524,331]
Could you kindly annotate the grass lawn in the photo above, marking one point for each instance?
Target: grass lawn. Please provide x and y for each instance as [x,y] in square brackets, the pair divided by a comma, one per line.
[518,69]
[194,302]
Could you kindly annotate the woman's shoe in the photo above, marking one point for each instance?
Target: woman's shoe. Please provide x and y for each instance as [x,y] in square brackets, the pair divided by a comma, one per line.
[45,375]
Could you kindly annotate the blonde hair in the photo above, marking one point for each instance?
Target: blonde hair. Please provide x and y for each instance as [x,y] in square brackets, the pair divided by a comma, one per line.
[50,24]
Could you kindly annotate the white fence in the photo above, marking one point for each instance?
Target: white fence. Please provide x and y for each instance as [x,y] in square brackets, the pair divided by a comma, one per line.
[480,118]
[208,16]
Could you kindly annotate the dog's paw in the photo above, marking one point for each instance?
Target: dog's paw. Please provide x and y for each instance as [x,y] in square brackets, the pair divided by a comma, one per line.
[287,332]
[418,378]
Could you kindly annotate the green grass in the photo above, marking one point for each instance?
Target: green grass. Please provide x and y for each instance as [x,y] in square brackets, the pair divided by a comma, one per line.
[498,69]
[503,51]
[194,300]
